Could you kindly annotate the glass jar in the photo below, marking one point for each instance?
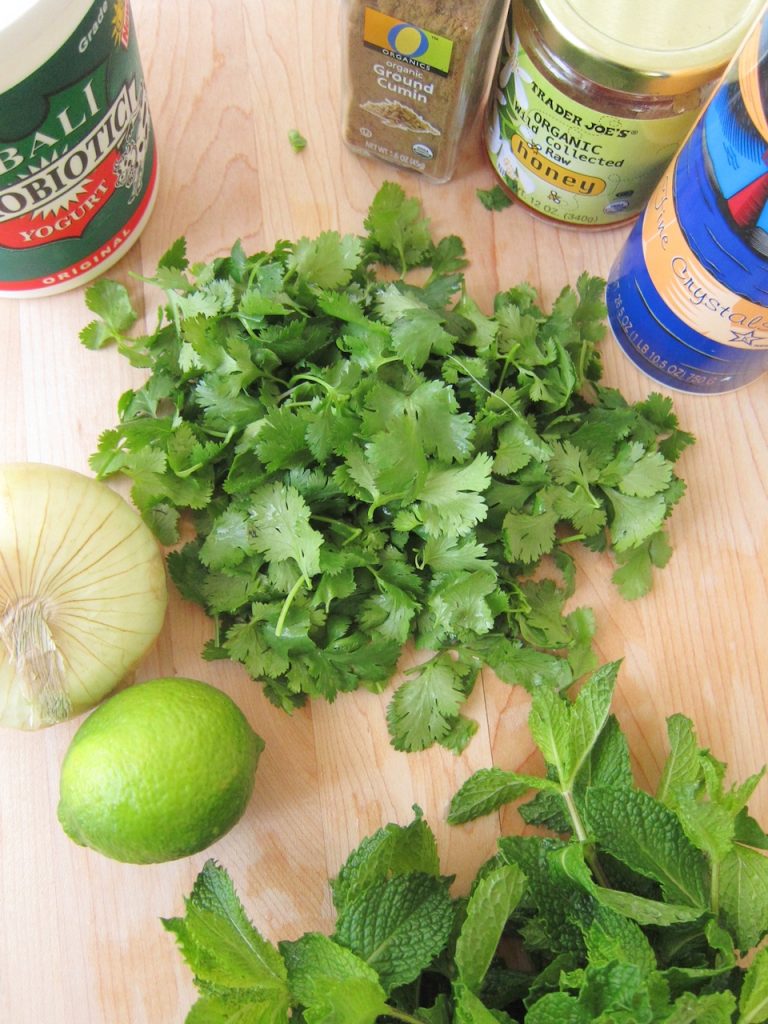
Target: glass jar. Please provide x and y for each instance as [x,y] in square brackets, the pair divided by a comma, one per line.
[416,75]
[592,100]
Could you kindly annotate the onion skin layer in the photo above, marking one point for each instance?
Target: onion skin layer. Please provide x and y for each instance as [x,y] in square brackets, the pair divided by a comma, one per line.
[83,593]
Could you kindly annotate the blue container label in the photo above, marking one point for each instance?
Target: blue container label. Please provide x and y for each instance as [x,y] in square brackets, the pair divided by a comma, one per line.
[688,295]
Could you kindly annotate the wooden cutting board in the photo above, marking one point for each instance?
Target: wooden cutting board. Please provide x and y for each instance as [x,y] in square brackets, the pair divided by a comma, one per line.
[81,940]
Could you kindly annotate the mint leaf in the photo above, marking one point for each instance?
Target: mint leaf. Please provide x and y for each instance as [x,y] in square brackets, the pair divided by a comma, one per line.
[566,733]
[392,850]
[558,1008]
[330,982]
[682,768]
[753,1001]
[488,789]
[235,1010]
[223,948]
[744,895]
[715,1008]
[397,925]
[571,861]
[647,836]
[468,1008]
[488,910]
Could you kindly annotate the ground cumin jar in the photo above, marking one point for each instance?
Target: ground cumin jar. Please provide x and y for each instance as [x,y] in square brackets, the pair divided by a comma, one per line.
[78,167]
[592,99]
[416,75]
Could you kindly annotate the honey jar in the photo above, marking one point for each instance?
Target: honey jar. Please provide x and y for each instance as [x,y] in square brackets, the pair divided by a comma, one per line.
[592,100]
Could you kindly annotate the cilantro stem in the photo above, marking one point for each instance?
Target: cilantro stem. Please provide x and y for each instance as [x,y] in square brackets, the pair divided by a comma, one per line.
[491,394]
[287,605]
[401,1015]
[311,378]
[352,531]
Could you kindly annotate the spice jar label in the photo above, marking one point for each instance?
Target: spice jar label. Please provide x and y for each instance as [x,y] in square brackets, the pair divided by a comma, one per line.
[416,73]
[568,161]
[77,158]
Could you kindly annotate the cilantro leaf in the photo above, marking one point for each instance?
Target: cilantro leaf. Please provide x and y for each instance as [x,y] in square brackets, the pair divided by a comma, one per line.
[111,303]
[328,261]
[297,140]
[398,234]
[306,416]
[493,198]
[279,527]
[424,708]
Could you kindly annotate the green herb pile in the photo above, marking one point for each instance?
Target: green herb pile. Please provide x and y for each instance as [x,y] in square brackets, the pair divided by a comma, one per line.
[369,459]
[633,909]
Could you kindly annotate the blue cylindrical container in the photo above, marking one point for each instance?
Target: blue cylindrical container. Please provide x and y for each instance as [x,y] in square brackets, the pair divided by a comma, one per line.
[688,294]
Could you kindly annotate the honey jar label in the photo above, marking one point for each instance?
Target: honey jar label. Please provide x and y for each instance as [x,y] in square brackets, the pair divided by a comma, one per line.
[569,161]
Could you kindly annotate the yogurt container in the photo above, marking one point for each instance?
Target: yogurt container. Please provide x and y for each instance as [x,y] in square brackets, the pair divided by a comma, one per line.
[78,164]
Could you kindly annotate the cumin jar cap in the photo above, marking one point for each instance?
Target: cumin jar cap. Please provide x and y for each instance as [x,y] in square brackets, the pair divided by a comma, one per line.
[647,47]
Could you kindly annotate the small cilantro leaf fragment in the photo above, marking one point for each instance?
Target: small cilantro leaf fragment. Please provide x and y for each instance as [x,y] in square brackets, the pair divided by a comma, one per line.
[623,918]
[493,199]
[297,140]
[115,315]
[366,459]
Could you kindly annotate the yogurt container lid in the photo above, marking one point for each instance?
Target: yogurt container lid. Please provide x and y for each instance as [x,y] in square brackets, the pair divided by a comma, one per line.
[31,31]
[652,47]
[12,10]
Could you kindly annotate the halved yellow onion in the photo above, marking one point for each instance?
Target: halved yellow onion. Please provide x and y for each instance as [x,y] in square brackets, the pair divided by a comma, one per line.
[83,593]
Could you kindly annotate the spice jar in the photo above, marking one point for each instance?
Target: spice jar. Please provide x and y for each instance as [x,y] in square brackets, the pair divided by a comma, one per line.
[415,75]
[593,99]
[78,166]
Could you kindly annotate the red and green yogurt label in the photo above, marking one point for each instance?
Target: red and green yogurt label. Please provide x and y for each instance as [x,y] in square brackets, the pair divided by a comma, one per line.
[77,157]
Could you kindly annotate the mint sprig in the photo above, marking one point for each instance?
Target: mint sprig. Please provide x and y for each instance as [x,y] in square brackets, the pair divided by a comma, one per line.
[626,910]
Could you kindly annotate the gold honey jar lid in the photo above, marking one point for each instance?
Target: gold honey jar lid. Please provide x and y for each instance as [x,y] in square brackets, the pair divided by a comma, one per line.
[651,47]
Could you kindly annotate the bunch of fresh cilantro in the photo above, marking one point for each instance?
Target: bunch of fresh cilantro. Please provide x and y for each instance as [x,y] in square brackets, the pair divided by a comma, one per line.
[368,459]
[632,909]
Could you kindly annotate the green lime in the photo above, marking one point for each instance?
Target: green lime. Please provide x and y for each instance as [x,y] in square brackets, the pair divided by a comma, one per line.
[158,771]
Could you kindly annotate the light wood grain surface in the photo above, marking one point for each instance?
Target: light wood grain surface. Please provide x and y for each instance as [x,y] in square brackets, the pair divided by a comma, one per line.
[80,936]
